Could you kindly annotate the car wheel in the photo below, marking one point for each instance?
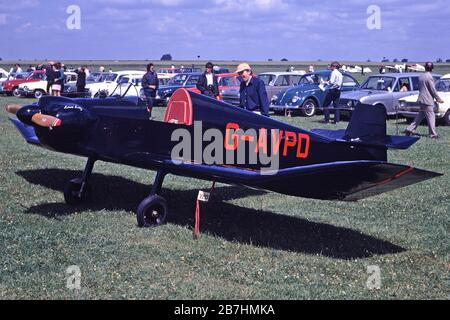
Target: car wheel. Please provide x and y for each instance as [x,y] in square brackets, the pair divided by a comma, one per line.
[447,118]
[309,108]
[38,94]
[16,93]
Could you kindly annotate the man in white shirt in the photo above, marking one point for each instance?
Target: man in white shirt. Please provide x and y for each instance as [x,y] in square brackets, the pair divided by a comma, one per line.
[334,93]
[207,83]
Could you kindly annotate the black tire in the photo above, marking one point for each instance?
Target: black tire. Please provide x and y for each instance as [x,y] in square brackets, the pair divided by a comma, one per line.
[72,192]
[447,118]
[309,108]
[16,93]
[152,212]
[38,94]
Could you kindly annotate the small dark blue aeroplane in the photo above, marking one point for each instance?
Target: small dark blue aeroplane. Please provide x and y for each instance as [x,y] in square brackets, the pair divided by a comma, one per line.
[255,151]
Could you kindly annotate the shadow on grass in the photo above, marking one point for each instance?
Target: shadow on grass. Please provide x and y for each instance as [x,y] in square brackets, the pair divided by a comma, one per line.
[228,221]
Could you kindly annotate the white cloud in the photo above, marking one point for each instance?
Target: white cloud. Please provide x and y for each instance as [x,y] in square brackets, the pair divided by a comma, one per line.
[248,6]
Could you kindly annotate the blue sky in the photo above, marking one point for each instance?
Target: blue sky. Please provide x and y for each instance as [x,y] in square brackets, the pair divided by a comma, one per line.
[247,30]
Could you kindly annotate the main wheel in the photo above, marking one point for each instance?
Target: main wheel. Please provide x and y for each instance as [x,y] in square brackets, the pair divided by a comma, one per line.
[152,212]
[72,193]
[309,108]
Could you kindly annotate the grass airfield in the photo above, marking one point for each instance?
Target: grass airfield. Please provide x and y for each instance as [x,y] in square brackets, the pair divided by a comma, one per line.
[253,244]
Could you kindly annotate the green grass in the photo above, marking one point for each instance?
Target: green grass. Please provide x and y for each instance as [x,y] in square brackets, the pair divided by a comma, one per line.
[253,245]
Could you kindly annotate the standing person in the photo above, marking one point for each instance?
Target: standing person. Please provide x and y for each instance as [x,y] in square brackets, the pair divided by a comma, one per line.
[334,93]
[81,80]
[207,83]
[50,76]
[59,80]
[253,94]
[427,95]
[86,70]
[101,69]
[150,84]
[16,69]
[311,69]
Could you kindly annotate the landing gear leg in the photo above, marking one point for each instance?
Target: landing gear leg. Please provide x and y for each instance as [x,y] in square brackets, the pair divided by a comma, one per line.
[152,211]
[78,190]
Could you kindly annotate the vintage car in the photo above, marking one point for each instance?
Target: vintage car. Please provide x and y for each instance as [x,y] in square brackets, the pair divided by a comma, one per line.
[182,80]
[384,90]
[309,95]
[278,81]
[37,89]
[226,82]
[10,87]
[108,81]
[409,107]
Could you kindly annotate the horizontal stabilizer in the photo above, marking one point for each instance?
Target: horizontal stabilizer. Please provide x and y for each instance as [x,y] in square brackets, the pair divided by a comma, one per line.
[26,131]
[391,142]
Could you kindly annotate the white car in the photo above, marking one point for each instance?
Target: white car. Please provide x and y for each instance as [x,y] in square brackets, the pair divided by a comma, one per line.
[129,86]
[409,107]
[110,82]
[3,75]
[39,88]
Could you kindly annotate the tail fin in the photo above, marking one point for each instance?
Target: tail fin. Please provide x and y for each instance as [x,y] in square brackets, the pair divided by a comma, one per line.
[368,124]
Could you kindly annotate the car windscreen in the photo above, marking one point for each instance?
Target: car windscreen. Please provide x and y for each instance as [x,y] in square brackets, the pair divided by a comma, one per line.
[22,75]
[443,85]
[230,81]
[178,80]
[379,83]
[110,77]
[267,78]
[312,79]
[95,77]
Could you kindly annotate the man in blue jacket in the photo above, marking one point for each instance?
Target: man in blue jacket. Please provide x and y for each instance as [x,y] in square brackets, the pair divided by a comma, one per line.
[253,95]
[150,84]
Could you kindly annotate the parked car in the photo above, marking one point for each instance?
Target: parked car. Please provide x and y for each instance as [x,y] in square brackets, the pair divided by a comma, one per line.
[3,75]
[383,90]
[409,107]
[10,87]
[107,82]
[226,81]
[182,80]
[37,89]
[278,81]
[309,95]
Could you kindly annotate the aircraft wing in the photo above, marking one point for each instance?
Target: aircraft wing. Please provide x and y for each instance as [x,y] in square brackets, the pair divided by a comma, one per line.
[347,181]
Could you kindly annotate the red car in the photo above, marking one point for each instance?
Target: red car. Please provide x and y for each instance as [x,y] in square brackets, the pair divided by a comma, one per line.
[225,81]
[10,86]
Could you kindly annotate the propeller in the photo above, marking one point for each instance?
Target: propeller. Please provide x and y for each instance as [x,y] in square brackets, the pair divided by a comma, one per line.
[46,120]
[12,108]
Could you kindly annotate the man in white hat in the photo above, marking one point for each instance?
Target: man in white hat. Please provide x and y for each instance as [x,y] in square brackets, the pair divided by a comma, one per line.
[253,95]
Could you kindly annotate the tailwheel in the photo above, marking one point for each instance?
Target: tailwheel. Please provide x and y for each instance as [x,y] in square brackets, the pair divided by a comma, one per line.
[152,212]
[76,192]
